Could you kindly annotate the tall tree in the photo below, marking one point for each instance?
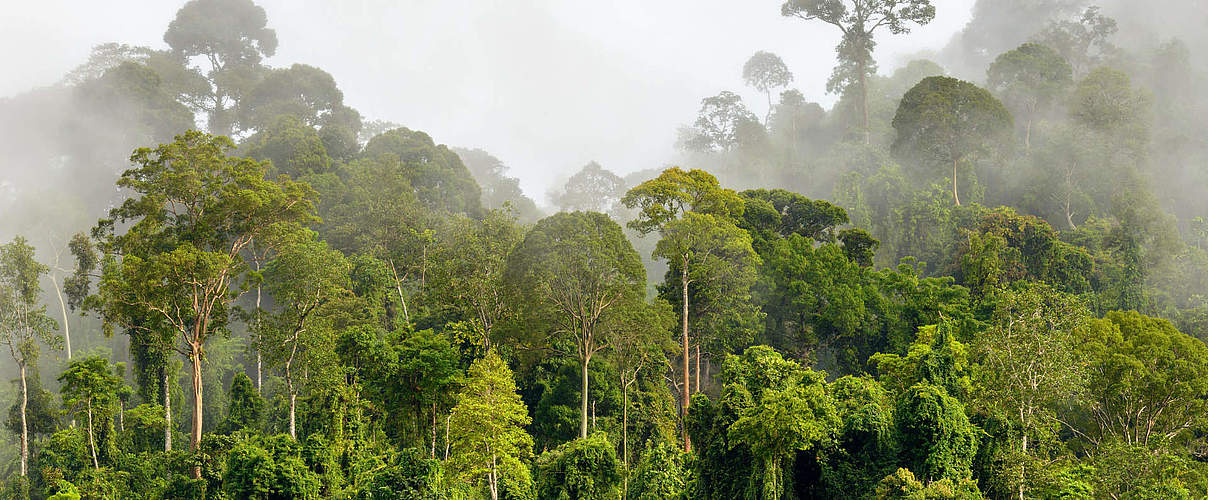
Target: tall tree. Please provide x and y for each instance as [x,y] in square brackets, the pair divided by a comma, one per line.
[660,203]
[592,189]
[487,427]
[575,274]
[943,120]
[232,36]
[1029,78]
[859,20]
[1030,366]
[91,384]
[719,123]
[302,279]
[765,72]
[23,323]
[180,262]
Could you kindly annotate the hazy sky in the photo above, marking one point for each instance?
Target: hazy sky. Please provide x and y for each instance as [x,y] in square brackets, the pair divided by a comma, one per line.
[545,85]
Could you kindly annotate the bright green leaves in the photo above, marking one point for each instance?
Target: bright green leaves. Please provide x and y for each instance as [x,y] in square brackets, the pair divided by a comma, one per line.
[675,192]
[487,427]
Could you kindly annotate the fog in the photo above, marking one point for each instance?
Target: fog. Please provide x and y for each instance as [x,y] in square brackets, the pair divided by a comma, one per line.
[546,86]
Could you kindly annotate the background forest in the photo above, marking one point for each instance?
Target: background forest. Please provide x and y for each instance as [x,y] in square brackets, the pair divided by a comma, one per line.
[979,275]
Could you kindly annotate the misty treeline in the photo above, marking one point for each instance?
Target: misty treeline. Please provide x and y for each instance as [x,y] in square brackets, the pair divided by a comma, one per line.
[1004,296]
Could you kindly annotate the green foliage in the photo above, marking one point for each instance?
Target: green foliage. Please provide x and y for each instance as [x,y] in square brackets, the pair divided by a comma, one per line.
[410,475]
[487,434]
[935,434]
[437,175]
[585,469]
[661,473]
[903,485]
[271,469]
[247,407]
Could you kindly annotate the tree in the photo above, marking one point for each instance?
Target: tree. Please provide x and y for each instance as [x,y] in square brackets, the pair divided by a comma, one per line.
[585,469]
[303,278]
[713,268]
[663,201]
[487,427]
[944,120]
[469,263]
[245,408]
[436,173]
[858,20]
[1030,365]
[718,124]
[498,189]
[782,422]
[90,383]
[639,344]
[1147,381]
[231,35]
[935,434]
[575,273]
[308,94]
[179,264]
[23,323]
[766,71]
[1083,42]
[1029,78]
[592,189]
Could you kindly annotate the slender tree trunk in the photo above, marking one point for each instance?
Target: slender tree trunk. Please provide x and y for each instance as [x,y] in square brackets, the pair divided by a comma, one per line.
[63,310]
[1027,136]
[167,412]
[768,119]
[92,440]
[687,392]
[625,433]
[863,64]
[955,197]
[434,430]
[24,422]
[398,283]
[493,478]
[448,418]
[259,358]
[121,416]
[195,435]
[583,421]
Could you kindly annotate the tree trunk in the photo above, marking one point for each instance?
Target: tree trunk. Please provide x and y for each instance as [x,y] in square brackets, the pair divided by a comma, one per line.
[121,416]
[293,405]
[259,359]
[768,119]
[687,392]
[434,430]
[63,309]
[863,66]
[91,439]
[1027,136]
[448,418]
[167,412]
[625,433]
[24,422]
[398,283]
[493,479]
[955,197]
[583,421]
[195,435]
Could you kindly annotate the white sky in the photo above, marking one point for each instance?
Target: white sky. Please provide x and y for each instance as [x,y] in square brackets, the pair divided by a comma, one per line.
[545,85]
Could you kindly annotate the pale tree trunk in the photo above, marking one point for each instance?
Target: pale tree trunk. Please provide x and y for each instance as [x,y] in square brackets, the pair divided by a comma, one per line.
[687,391]
[91,439]
[434,430]
[583,421]
[955,197]
[398,283]
[24,422]
[493,478]
[167,413]
[195,435]
[448,418]
[863,64]
[259,358]
[63,309]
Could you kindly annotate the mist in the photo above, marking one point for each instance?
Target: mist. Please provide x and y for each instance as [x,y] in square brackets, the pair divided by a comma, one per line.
[781,248]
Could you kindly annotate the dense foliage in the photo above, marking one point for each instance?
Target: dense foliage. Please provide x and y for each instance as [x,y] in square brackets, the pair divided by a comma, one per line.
[1003,298]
